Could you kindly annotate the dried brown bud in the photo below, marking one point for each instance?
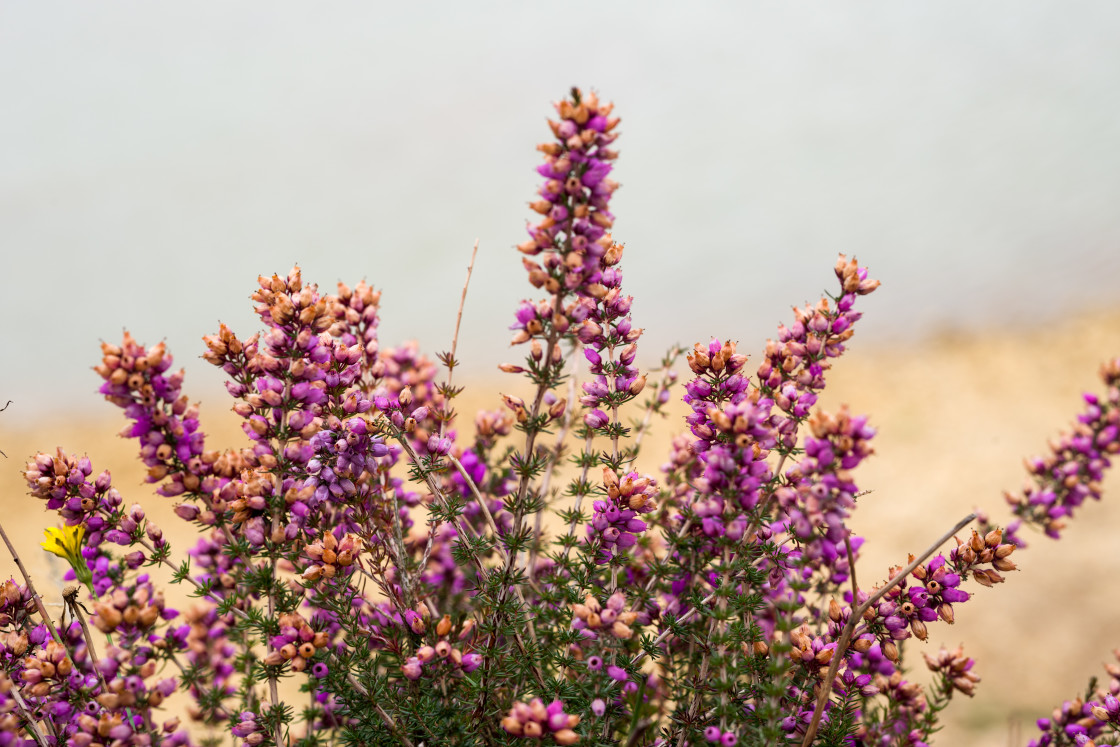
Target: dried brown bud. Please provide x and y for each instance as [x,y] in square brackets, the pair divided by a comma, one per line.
[919,627]
[106,617]
[1004,564]
[557,409]
[467,630]
[565,737]
[976,542]
[1004,550]
[945,612]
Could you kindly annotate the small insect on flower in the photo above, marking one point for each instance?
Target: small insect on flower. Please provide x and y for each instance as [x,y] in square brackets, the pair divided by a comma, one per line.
[66,543]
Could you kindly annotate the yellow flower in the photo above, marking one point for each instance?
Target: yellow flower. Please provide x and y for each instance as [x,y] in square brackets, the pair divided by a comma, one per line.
[66,543]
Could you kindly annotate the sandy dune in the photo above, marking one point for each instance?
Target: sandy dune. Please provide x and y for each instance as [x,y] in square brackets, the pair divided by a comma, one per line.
[955,417]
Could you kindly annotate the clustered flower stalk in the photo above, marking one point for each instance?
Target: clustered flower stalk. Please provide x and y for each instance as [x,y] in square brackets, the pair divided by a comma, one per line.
[402,575]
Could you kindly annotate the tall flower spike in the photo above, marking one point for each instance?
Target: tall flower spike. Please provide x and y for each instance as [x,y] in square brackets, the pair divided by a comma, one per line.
[571,240]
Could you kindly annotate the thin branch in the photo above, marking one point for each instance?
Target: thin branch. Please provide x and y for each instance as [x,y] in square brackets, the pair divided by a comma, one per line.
[30,724]
[31,588]
[76,612]
[5,407]
[211,595]
[462,302]
[852,568]
[857,616]
[655,400]
[455,337]
[665,633]
[579,495]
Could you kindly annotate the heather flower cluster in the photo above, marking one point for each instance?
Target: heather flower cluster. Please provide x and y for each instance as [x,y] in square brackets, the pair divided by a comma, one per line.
[365,570]
[535,720]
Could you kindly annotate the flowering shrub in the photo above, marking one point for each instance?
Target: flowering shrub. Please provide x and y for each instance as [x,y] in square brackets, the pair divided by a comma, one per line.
[401,574]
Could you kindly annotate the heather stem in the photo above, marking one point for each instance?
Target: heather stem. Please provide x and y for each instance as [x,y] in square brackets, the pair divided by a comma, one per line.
[655,400]
[531,432]
[554,456]
[278,490]
[579,496]
[493,528]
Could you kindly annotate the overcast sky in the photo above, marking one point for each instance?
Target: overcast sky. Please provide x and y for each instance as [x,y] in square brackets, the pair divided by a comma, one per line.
[155,157]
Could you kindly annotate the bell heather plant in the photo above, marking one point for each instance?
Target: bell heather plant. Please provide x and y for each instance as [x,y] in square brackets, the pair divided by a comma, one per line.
[422,584]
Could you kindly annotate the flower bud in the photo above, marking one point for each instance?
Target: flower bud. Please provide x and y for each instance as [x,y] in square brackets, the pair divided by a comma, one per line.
[187,511]
[557,410]
[565,736]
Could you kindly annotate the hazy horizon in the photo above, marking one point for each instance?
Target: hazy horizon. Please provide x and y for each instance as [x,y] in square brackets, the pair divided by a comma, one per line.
[157,158]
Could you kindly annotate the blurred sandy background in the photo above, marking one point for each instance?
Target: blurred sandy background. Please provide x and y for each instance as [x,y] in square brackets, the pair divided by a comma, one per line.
[155,158]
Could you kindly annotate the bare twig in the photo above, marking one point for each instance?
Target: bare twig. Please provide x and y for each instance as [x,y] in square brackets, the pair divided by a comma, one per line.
[30,724]
[31,588]
[71,599]
[445,415]
[455,337]
[857,616]
[852,568]
[5,407]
